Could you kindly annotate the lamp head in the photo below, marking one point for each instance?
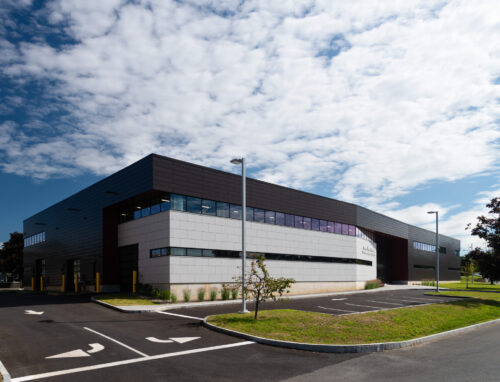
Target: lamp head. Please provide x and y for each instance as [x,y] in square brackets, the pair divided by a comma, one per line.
[431,212]
[236,161]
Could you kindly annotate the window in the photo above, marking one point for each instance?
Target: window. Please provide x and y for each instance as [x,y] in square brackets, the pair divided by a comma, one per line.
[223,209]
[249,214]
[352,230]
[158,252]
[258,215]
[165,204]
[323,226]
[457,252]
[270,217]
[208,207]
[76,268]
[289,220]
[137,213]
[208,253]
[345,229]
[155,209]
[178,202]
[193,252]
[338,228]
[280,218]
[177,251]
[299,223]
[235,212]
[442,249]
[315,224]
[145,212]
[193,205]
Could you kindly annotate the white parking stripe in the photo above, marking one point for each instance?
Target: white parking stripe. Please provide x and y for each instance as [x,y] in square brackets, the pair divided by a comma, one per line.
[127,362]
[116,341]
[388,303]
[180,315]
[399,299]
[424,299]
[366,306]
[340,310]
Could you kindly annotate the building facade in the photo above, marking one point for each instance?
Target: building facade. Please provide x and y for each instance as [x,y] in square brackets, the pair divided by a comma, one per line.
[179,226]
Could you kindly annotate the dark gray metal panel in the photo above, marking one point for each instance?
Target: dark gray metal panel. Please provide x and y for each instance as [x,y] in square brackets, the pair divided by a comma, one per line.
[175,176]
[74,226]
[418,257]
[377,222]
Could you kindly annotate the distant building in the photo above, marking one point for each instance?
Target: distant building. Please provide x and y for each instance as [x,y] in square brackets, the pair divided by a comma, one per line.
[178,224]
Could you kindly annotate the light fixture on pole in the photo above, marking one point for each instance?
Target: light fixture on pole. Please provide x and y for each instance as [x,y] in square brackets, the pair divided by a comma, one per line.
[243,222]
[437,248]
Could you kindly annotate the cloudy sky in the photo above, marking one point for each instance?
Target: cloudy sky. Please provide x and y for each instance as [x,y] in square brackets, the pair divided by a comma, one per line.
[393,105]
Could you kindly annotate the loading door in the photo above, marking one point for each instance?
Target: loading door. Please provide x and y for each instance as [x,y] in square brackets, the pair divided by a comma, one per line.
[128,261]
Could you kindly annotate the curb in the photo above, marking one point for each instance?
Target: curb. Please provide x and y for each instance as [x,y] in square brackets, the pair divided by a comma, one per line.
[114,307]
[356,348]
[4,372]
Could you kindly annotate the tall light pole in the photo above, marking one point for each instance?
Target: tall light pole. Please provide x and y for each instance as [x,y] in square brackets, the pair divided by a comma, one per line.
[437,248]
[243,223]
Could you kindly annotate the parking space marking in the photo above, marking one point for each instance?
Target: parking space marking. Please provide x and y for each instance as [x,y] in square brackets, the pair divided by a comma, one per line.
[116,341]
[340,310]
[366,306]
[388,303]
[127,362]
[425,299]
[180,315]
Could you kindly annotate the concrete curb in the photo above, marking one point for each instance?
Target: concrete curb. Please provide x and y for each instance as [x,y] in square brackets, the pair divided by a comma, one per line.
[4,372]
[356,348]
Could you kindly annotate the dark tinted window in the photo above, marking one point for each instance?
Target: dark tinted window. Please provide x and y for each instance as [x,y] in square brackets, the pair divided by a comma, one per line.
[208,207]
[137,214]
[155,209]
[235,212]
[165,204]
[323,225]
[270,217]
[307,223]
[177,251]
[145,212]
[178,202]
[338,228]
[208,253]
[352,230]
[258,215]
[280,218]
[249,214]
[289,220]
[315,224]
[194,205]
[299,222]
[223,209]
[345,229]
[193,252]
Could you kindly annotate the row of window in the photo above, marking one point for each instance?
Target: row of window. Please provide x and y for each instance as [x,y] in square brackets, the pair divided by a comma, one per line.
[428,247]
[197,252]
[34,239]
[424,266]
[233,211]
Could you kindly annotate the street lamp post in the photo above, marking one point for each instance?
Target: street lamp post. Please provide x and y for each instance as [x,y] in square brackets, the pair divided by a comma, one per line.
[437,248]
[243,223]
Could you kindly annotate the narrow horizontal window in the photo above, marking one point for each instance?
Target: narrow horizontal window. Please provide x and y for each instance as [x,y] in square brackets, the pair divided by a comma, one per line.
[208,207]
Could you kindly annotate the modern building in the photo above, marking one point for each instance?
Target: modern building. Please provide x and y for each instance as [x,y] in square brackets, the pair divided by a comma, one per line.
[179,225]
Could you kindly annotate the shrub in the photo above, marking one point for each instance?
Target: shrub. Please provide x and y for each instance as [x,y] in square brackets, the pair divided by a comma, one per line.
[224,293]
[213,294]
[156,293]
[165,295]
[428,283]
[186,293]
[201,294]
[372,284]
[173,297]
[144,289]
[234,293]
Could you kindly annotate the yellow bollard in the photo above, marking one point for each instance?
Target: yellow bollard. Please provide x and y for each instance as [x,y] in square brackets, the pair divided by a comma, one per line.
[41,283]
[33,284]
[76,283]
[97,283]
[63,285]
[134,280]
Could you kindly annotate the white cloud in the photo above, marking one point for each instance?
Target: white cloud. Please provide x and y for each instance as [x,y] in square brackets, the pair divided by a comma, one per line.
[410,98]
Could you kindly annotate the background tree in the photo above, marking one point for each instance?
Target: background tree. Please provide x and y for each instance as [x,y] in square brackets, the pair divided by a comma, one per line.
[468,270]
[11,256]
[261,287]
[488,229]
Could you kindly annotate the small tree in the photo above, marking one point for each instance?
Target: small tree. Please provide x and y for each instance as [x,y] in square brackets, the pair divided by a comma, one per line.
[262,287]
[11,256]
[468,269]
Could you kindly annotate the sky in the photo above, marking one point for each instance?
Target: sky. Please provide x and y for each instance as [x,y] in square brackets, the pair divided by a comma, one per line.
[392,105]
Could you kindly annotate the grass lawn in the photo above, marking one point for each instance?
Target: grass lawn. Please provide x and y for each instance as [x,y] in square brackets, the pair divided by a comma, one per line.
[476,286]
[125,299]
[383,326]
[475,294]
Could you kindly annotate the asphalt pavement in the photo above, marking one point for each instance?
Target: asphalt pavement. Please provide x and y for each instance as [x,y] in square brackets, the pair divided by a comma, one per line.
[61,338]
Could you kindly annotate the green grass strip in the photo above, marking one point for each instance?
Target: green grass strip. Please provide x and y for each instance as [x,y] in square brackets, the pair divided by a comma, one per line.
[476,286]
[383,326]
[123,299]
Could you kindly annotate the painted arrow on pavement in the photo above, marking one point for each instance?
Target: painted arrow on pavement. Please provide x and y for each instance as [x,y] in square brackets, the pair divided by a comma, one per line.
[180,340]
[32,312]
[94,348]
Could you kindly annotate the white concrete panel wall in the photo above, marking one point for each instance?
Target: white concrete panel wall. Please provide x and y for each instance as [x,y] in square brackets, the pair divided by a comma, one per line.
[201,231]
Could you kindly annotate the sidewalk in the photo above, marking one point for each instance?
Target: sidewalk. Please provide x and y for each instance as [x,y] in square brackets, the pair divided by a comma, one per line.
[163,307]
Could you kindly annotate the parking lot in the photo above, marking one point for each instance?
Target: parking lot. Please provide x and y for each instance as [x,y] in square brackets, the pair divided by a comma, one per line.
[62,337]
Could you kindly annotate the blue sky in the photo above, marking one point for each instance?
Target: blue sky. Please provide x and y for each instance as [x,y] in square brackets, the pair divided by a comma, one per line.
[391,105]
